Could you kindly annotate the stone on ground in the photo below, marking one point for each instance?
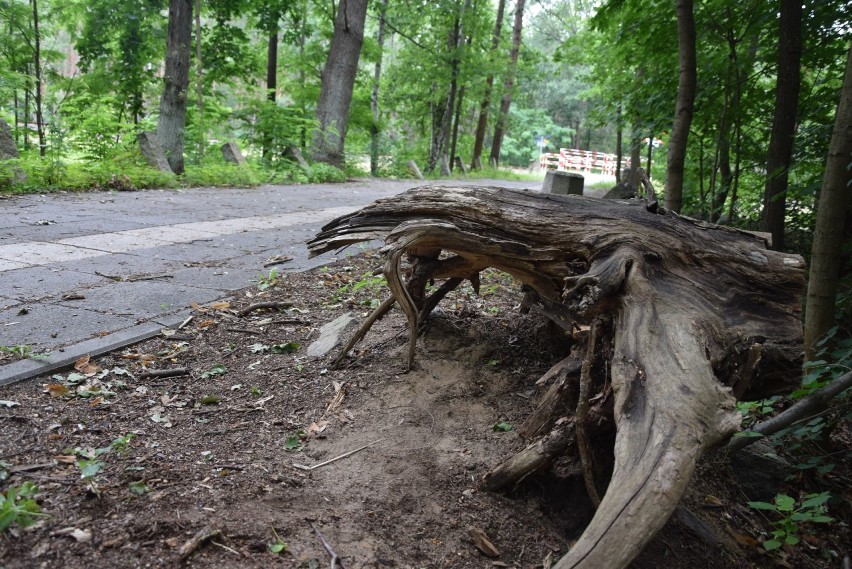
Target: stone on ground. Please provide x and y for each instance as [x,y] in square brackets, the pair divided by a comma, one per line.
[231,153]
[563,183]
[331,335]
[153,152]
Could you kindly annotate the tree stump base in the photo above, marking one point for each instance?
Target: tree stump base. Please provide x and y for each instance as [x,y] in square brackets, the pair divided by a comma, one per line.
[679,318]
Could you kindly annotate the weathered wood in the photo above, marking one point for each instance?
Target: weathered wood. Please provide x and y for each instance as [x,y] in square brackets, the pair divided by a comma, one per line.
[534,457]
[688,302]
[562,394]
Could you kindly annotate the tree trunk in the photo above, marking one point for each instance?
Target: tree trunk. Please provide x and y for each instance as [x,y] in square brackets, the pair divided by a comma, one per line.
[172,122]
[835,205]
[271,79]
[679,332]
[42,144]
[374,96]
[684,107]
[482,123]
[338,81]
[619,125]
[508,85]
[456,119]
[635,156]
[784,122]
[456,42]
[199,84]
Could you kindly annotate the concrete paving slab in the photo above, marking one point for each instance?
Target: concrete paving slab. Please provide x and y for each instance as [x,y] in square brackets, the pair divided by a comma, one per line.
[42,253]
[121,266]
[44,283]
[113,242]
[62,230]
[6,265]
[172,234]
[46,326]
[142,300]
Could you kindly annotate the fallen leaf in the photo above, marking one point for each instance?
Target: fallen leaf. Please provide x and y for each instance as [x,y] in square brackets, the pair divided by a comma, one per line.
[65,458]
[9,404]
[172,542]
[96,401]
[482,543]
[206,323]
[220,305]
[84,366]
[57,390]
[316,428]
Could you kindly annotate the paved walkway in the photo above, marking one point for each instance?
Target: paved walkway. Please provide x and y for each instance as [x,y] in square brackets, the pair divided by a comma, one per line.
[90,273]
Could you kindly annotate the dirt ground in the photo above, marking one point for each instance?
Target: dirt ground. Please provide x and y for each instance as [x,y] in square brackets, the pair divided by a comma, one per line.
[222,450]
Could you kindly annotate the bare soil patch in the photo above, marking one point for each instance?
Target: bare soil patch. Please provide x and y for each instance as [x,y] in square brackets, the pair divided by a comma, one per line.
[225,446]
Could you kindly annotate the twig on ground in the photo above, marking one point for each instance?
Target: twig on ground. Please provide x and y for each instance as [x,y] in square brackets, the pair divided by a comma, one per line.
[272,304]
[336,458]
[365,327]
[243,330]
[335,558]
[803,409]
[582,415]
[185,322]
[225,547]
[277,260]
[164,373]
[193,543]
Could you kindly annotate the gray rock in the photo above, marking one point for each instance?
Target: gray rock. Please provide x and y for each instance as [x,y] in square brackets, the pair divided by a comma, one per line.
[621,191]
[759,471]
[152,151]
[231,153]
[8,148]
[331,335]
[563,183]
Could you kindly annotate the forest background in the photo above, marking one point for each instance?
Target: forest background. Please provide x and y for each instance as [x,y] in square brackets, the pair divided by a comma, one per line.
[731,106]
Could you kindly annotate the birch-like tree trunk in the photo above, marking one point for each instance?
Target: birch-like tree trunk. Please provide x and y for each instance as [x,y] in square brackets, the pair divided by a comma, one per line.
[172,122]
[338,81]
[482,123]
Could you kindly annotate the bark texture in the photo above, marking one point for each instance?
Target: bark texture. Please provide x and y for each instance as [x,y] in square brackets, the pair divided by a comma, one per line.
[508,85]
[834,207]
[697,313]
[170,127]
[374,95]
[787,87]
[338,80]
[482,122]
[685,106]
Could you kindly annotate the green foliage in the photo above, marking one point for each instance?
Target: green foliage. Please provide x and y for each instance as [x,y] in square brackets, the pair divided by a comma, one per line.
[519,147]
[793,514]
[18,506]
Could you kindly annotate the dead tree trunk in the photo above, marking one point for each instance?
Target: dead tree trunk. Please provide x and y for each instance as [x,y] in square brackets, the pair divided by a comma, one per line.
[692,316]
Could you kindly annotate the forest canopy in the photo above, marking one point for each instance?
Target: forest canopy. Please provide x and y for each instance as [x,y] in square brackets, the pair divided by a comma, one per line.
[484,80]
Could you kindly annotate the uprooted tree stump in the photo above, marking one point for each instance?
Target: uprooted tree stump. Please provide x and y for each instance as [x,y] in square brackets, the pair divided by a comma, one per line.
[674,319]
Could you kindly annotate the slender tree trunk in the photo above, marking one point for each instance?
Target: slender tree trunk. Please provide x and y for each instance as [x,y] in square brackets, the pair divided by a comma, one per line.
[172,123]
[456,42]
[619,124]
[482,123]
[456,119]
[27,113]
[508,85]
[271,80]
[835,205]
[374,96]
[338,81]
[784,123]
[635,156]
[42,144]
[684,107]
[199,83]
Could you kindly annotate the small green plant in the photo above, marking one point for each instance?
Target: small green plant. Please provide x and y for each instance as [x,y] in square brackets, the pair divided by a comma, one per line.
[502,427]
[267,281]
[278,545]
[23,351]
[217,369]
[256,391]
[18,506]
[89,461]
[811,510]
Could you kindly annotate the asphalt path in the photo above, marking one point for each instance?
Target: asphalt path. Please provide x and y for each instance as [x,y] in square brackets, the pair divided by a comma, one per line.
[87,273]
